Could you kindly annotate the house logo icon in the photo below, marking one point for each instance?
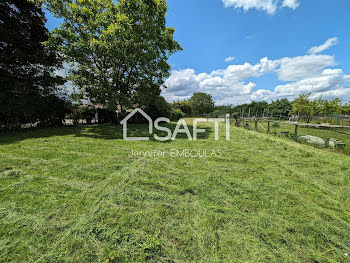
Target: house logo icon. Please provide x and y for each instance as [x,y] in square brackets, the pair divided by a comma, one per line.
[124,122]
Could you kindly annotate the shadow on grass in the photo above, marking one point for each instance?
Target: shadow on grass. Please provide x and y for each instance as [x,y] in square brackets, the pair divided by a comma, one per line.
[103,131]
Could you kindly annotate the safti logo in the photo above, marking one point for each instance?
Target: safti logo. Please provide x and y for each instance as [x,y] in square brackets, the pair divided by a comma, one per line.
[181,127]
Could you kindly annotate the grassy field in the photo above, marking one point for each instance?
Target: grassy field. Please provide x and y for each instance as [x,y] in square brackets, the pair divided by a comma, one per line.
[74,194]
[341,134]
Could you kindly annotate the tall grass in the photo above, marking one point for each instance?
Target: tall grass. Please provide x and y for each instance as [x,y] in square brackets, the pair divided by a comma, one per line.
[74,195]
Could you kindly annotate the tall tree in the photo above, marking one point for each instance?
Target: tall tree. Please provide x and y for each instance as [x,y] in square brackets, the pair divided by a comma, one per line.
[303,107]
[202,103]
[336,105]
[118,50]
[184,106]
[279,108]
[158,107]
[27,69]
[317,106]
[346,108]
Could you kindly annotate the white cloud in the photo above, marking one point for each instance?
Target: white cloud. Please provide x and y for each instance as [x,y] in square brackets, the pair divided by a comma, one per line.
[265,5]
[342,93]
[235,73]
[296,68]
[262,95]
[269,6]
[329,79]
[182,83]
[305,74]
[326,45]
[64,72]
[226,85]
[329,85]
[268,66]
[252,36]
[293,4]
[229,59]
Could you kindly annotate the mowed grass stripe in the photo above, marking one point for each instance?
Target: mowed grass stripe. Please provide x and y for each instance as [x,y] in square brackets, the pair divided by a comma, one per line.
[266,199]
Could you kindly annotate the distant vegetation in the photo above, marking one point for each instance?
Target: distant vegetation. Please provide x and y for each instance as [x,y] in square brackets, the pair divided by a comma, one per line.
[303,108]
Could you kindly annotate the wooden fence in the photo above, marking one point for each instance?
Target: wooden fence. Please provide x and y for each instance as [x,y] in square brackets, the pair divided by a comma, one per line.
[296,124]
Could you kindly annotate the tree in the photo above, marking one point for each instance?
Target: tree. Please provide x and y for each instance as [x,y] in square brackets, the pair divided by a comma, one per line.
[52,109]
[254,108]
[335,106]
[202,103]
[222,110]
[346,108]
[158,107]
[118,50]
[327,108]
[303,107]
[257,108]
[177,114]
[27,70]
[184,106]
[317,106]
[281,107]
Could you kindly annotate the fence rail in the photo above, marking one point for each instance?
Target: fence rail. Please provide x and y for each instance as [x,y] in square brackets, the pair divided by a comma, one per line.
[296,124]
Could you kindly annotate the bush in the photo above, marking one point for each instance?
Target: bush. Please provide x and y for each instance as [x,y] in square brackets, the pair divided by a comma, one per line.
[202,103]
[88,114]
[159,107]
[107,116]
[177,114]
[53,111]
[184,106]
[44,111]
[275,125]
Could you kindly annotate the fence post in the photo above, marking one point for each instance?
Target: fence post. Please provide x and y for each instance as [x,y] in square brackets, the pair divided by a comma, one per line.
[268,126]
[296,129]
[256,124]
[337,118]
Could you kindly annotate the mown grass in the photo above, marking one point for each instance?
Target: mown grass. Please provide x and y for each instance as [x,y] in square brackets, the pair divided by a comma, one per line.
[342,134]
[74,195]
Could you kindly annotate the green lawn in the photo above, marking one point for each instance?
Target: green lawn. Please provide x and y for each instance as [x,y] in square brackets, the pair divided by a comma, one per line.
[342,134]
[74,195]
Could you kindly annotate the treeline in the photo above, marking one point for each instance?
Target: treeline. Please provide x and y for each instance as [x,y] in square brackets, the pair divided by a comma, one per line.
[301,108]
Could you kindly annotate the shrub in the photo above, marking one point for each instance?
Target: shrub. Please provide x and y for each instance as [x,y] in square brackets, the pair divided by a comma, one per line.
[276,125]
[184,106]
[159,107]
[53,110]
[107,116]
[177,114]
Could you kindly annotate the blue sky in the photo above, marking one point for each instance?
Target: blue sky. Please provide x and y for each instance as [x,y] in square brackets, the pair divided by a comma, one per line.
[270,41]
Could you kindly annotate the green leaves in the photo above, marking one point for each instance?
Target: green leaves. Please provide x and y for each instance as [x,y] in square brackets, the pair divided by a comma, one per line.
[120,50]
[202,103]
[318,107]
[28,80]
